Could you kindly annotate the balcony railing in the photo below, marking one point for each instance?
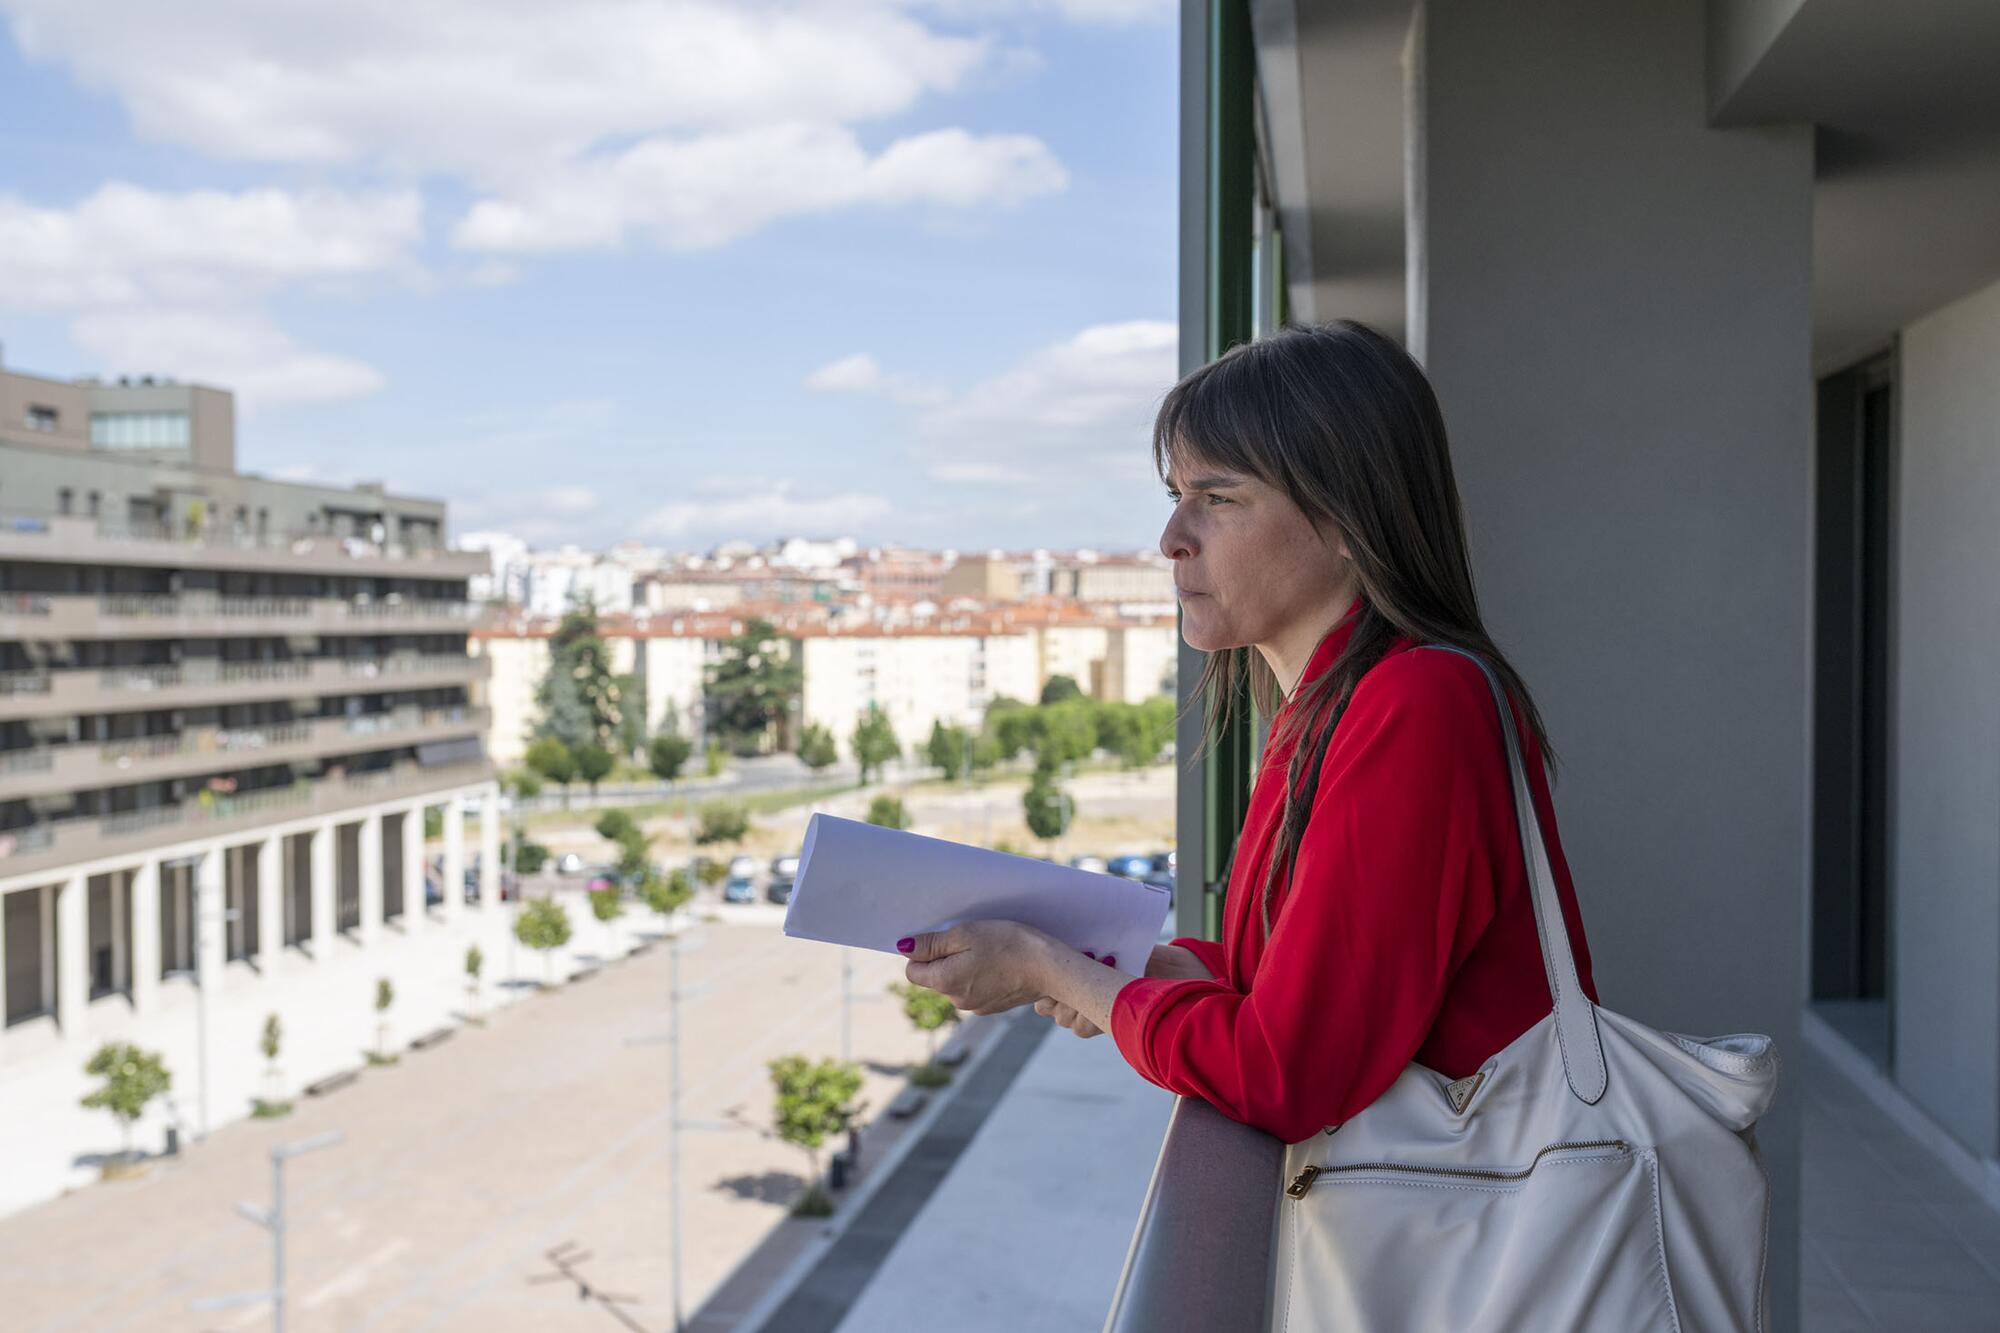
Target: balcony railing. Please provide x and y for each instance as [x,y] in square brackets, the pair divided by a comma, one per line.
[24,682]
[222,536]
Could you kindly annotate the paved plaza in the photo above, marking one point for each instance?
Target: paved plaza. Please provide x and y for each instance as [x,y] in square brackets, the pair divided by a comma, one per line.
[464,1163]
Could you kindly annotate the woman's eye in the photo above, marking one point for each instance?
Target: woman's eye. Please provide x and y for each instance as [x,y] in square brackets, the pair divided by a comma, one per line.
[1218,500]
[1173,497]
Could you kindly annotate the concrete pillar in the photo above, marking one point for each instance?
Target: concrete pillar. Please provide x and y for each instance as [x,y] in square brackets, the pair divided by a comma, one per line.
[72,945]
[270,904]
[206,888]
[368,851]
[323,890]
[3,960]
[121,930]
[489,847]
[145,936]
[414,914]
[1616,313]
[454,856]
[46,915]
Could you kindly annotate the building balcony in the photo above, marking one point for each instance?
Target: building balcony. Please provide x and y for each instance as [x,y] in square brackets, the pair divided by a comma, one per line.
[58,844]
[82,691]
[53,769]
[71,539]
[61,616]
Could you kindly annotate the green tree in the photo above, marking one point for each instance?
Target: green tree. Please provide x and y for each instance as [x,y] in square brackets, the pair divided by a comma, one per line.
[712,760]
[385,995]
[1047,806]
[888,812]
[751,689]
[814,1102]
[550,757]
[631,716]
[529,857]
[525,782]
[606,906]
[1066,731]
[615,826]
[270,1041]
[816,747]
[666,894]
[720,821]
[1010,724]
[985,753]
[948,750]
[593,764]
[669,750]
[874,742]
[928,1011]
[579,699]
[433,821]
[1058,688]
[543,924]
[132,1078]
[474,962]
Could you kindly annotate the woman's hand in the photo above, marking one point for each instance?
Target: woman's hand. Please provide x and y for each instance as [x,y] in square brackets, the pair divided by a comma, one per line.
[986,967]
[1067,1017]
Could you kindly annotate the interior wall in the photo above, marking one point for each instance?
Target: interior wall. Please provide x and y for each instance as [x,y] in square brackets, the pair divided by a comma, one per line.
[1616,312]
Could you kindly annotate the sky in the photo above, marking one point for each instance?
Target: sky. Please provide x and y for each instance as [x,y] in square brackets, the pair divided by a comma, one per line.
[678,271]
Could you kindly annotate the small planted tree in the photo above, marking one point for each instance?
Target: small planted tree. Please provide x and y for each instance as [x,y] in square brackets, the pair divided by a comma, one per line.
[720,821]
[269,1041]
[543,924]
[948,750]
[665,894]
[816,747]
[815,1101]
[1047,806]
[606,907]
[474,962]
[668,752]
[928,1011]
[712,760]
[550,758]
[529,857]
[874,743]
[593,764]
[888,812]
[385,996]
[132,1078]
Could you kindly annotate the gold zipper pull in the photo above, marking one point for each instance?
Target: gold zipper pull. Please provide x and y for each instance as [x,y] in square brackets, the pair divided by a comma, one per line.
[1297,1189]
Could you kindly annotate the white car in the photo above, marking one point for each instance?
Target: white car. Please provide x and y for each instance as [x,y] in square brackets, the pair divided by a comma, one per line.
[1094,864]
[569,863]
[742,867]
[785,867]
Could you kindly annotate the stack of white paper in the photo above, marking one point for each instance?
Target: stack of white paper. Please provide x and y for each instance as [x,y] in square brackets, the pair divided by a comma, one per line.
[869,887]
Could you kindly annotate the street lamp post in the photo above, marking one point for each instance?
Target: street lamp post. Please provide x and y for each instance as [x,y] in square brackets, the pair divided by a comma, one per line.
[272,1219]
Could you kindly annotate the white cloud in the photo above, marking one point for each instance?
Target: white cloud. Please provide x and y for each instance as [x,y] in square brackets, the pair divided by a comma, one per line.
[571,500]
[767,510]
[704,191]
[860,374]
[239,350]
[1089,399]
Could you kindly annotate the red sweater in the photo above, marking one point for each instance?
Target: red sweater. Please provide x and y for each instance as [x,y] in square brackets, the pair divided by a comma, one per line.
[1406,933]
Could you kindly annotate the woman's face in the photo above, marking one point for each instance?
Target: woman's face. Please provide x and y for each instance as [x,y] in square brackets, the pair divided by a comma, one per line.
[1248,564]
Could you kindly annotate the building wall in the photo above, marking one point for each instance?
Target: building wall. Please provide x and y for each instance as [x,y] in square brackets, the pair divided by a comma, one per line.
[70,401]
[1136,659]
[1615,308]
[674,674]
[1945,722]
[519,663]
[1076,651]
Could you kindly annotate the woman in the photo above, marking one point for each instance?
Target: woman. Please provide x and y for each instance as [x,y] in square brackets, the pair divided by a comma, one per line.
[1378,909]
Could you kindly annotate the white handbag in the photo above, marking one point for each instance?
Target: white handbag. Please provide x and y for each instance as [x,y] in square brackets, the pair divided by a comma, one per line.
[1594,1175]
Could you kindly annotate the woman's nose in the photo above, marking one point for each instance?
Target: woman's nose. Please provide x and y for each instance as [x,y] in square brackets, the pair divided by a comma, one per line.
[1175,543]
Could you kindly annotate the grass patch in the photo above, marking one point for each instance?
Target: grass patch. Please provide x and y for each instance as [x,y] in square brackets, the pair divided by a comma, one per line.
[378,1059]
[929,1076]
[813,1203]
[263,1110]
[757,803]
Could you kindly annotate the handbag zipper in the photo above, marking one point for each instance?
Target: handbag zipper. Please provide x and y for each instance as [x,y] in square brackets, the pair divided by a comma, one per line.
[1304,1180]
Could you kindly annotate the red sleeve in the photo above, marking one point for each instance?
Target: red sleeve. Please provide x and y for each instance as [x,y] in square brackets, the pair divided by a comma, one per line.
[1395,882]
[1208,952]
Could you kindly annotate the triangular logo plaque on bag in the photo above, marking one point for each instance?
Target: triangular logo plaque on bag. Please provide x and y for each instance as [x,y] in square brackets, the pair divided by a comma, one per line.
[1460,1093]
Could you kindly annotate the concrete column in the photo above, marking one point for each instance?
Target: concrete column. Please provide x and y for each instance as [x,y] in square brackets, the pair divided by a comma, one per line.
[207,889]
[3,961]
[454,856]
[145,936]
[270,904]
[369,851]
[1617,319]
[46,915]
[489,847]
[323,890]
[121,931]
[413,869]
[72,941]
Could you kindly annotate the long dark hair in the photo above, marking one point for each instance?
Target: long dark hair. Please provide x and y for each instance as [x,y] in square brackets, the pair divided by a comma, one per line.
[1343,421]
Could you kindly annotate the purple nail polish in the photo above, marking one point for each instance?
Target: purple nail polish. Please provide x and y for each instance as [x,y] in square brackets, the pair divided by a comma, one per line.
[1111,960]
[1088,954]
[905,944]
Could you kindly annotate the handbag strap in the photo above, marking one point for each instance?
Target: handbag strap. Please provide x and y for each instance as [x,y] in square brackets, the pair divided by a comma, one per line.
[1576,1017]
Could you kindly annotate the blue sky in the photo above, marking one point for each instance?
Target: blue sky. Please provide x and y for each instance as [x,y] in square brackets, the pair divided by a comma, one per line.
[679,271]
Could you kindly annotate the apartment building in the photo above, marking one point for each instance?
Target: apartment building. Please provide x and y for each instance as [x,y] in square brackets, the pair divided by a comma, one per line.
[986,578]
[225,704]
[916,678]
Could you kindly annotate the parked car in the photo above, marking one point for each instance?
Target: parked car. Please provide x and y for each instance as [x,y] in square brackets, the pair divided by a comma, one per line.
[779,891]
[1094,864]
[785,867]
[1130,867]
[569,863]
[742,867]
[433,896]
[739,890]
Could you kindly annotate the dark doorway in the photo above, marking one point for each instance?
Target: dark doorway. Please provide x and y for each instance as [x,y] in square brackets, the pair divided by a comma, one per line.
[1854,610]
